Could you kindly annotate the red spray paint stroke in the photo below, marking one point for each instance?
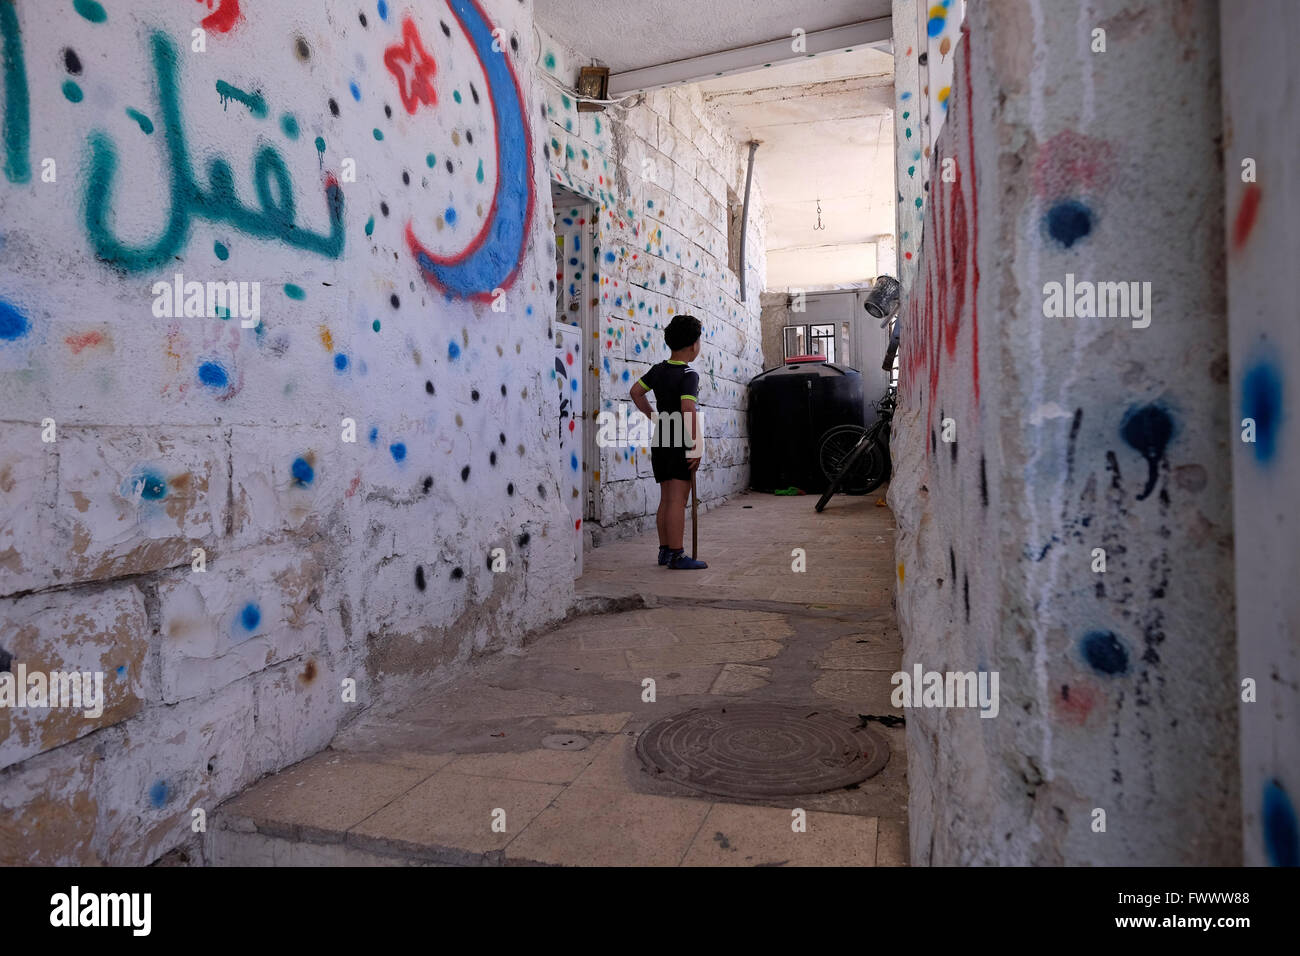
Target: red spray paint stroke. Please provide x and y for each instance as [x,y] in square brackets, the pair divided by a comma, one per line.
[974,223]
[223,18]
[79,342]
[1247,213]
[412,67]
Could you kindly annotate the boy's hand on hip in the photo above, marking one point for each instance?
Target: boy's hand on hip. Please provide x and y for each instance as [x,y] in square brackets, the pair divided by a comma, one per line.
[692,463]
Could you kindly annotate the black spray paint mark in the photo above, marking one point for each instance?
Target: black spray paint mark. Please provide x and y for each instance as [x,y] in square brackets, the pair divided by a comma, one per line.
[1148,430]
[1069,450]
[984,484]
[965,595]
[419,577]
[1104,653]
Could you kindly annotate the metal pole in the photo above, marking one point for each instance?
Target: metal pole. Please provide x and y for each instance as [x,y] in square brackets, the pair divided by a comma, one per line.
[744,215]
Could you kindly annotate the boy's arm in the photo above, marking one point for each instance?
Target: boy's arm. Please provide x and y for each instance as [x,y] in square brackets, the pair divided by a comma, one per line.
[639,400]
[691,420]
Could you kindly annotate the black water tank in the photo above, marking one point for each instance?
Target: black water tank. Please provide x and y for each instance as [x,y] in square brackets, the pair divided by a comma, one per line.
[790,408]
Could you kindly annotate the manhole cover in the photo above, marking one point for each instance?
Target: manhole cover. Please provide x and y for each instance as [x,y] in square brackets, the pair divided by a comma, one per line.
[762,750]
[565,742]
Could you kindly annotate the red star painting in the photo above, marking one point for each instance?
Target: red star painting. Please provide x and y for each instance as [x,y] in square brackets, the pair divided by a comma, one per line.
[412,67]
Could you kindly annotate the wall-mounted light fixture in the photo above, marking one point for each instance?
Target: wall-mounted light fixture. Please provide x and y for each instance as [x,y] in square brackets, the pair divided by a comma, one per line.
[593,84]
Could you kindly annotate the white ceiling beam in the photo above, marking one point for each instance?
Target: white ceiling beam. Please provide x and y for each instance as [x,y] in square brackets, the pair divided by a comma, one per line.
[876,33]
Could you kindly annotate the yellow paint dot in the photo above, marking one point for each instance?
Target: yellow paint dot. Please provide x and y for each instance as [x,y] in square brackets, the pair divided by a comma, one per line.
[900,573]
[326,339]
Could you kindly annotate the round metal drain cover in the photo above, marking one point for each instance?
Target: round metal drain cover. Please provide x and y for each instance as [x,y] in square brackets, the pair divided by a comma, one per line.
[565,742]
[762,750]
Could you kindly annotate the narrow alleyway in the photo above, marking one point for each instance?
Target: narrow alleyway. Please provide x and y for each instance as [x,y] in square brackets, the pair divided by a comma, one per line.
[422,786]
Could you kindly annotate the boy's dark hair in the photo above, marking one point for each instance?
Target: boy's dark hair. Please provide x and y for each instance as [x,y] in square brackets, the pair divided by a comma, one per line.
[683,331]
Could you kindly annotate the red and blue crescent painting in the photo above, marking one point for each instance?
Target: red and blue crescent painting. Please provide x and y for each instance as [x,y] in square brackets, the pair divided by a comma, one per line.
[492,258]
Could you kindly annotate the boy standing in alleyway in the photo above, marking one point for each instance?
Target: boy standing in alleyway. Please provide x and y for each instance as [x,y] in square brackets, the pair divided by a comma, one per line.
[674,451]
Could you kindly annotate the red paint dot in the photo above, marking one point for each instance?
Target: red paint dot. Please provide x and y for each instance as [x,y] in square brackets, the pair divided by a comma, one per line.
[571,424]
[569,358]
[577,524]
[907,255]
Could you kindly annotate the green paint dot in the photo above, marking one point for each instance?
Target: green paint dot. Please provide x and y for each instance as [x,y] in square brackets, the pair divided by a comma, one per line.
[72,91]
[294,291]
[550,61]
[222,252]
[479,175]
[223,313]
[370,226]
[378,134]
[430,160]
[455,95]
[91,10]
[564,101]
[320,144]
[289,125]
[375,325]
[598,126]
[145,122]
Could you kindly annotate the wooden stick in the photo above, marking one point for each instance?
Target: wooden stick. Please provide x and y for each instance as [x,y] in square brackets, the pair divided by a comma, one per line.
[695,520]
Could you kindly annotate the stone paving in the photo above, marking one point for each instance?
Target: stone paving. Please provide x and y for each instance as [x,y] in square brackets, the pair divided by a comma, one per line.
[423,786]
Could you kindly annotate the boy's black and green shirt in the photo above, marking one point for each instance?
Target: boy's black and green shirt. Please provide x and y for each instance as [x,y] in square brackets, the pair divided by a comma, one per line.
[671,381]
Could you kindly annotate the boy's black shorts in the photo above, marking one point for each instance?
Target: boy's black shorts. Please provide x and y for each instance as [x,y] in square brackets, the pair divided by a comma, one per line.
[669,463]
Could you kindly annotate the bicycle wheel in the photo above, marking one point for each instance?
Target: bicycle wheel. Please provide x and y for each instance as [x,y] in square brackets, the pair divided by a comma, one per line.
[860,451]
[833,452]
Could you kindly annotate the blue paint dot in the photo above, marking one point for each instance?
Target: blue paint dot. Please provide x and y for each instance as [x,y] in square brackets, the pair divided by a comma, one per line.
[250,617]
[573,461]
[453,350]
[1261,400]
[397,450]
[302,471]
[341,362]
[13,324]
[159,792]
[355,90]
[573,384]
[383,10]
[374,435]
[152,486]
[1104,653]
[1068,221]
[450,216]
[626,376]
[121,670]
[609,257]
[1278,821]
[213,374]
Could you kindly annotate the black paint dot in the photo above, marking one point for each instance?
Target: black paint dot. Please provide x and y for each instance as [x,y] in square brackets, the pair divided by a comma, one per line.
[334,106]
[493,458]
[474,394]
[457,574]
[514,43]
[388,111]
[1069,221]
[551,285]
[428,483]
[72,62]
[450,168]
[419,577]
[523,540]
[464,473]
[1104,653]
[383,208]
[473,92]
[394,301]
[302,49]
[428,387]
[446,30]
[469,137]
[362,18]
[510,488]
[503,438]
[541,490]
[503,389]
[406,177]
[546,150]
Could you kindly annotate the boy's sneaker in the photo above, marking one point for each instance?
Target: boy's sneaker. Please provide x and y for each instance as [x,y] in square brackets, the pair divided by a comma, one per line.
[681,561]
[665,553]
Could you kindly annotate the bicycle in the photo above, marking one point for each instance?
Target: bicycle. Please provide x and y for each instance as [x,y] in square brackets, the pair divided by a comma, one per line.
[853,457]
